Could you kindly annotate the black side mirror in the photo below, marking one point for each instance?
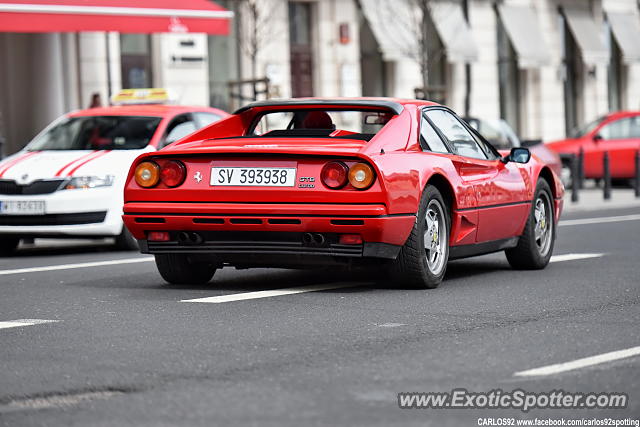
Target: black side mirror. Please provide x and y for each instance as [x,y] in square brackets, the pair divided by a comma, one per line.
[518,155]
[597,137]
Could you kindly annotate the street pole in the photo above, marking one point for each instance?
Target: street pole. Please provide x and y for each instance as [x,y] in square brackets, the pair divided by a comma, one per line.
[574,179]
[581,168]
[607,176]
[637,177]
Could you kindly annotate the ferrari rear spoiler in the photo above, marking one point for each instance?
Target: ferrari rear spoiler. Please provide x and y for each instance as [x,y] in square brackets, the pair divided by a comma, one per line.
[396,107]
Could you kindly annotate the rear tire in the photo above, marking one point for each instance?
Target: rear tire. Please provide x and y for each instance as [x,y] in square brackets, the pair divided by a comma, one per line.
[535,246]
[125,241]
[179,269]
[422,261]
[8,245]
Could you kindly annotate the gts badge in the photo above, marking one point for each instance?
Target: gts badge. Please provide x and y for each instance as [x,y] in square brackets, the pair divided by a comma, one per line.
[307,182]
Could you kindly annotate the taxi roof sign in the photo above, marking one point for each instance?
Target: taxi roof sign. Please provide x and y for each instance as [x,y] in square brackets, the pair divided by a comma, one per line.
[141,96]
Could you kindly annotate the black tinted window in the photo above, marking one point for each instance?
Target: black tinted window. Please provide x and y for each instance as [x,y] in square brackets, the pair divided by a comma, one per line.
[458,136]
[429,138]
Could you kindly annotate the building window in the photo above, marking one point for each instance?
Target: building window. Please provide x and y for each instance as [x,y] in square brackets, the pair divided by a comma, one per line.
[437,64]
[509,80]
[573,77]
[135,60]
[615,74]
[301,51]
[372,64]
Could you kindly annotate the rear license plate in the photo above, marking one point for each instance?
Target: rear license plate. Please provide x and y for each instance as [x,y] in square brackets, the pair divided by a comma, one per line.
[250,176]
[22,207]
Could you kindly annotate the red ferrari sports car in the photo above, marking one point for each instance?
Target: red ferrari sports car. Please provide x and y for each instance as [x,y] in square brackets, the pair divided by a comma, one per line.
[402,184]
[617,134]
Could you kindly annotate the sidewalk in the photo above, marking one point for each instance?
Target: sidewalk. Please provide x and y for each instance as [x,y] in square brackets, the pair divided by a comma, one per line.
[592,199]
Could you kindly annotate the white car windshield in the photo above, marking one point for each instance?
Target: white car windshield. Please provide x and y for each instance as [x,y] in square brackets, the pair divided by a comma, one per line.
[97,133]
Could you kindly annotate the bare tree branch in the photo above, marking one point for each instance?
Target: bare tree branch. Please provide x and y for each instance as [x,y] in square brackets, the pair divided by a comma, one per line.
[259,29]
[406,22]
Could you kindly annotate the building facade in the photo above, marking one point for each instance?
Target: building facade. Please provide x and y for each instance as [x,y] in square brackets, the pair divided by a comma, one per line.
[545,66]
[49,74]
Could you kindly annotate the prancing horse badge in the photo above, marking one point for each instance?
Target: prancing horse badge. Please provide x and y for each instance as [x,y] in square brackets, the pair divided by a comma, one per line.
[198,177]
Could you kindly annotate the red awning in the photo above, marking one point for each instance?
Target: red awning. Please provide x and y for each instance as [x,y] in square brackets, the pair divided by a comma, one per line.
[125,16]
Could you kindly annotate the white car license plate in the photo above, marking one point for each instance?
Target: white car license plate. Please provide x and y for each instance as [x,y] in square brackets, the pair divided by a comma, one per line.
[250,176]
[22,207]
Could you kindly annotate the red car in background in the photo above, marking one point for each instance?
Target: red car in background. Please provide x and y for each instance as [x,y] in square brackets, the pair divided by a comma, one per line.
[617,134]
[401,184]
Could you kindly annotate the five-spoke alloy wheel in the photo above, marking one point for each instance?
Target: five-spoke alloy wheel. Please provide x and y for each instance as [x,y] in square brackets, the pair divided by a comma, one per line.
[435,237]
[536,243]
[422,261]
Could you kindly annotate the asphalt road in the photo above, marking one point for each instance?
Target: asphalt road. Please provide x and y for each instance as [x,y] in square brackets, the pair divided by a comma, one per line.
[125,349]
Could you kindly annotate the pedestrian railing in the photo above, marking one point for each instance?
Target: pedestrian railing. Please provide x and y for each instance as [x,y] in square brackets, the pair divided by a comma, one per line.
[576,163]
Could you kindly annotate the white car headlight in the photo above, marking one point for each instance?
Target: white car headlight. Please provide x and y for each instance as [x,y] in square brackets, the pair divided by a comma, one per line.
[86,182]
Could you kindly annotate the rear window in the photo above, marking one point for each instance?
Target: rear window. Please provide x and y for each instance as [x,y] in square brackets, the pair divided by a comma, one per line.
[313,123]
[97,133]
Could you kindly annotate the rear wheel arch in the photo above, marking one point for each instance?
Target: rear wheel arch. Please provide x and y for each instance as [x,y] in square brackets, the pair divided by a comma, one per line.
[445,188]
[547,175]
[422,260]
[535,245]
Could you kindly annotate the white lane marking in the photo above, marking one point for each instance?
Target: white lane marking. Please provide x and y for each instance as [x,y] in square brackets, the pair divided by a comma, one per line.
[599,220]
[297,290]
[24,322]
[57,401]
[72,266]
[580,363]
[272,293]
[390,325]
[572,257]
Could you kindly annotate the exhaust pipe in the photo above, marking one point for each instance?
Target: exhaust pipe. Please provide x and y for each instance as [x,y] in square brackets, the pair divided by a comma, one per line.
[183,237]
[307,239]
[313,239]
[190,238]
[195,238]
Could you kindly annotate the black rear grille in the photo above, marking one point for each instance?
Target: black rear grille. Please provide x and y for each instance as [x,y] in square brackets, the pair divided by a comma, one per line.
[54,219]
[238,242]
[43,186]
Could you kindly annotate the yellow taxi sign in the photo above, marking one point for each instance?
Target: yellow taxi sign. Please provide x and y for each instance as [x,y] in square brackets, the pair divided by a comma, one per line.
[141,96]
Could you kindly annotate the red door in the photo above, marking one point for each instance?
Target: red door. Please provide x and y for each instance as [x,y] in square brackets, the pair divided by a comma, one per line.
[501,193]
[499,188]
[621,139]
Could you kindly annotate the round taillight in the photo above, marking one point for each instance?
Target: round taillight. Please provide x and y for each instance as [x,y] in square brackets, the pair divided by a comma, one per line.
[147,174]
[361,176]
[173,173]
[334,175]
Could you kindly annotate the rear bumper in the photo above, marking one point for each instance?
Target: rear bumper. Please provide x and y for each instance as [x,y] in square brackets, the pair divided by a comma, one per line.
[240,247]
[382,234]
